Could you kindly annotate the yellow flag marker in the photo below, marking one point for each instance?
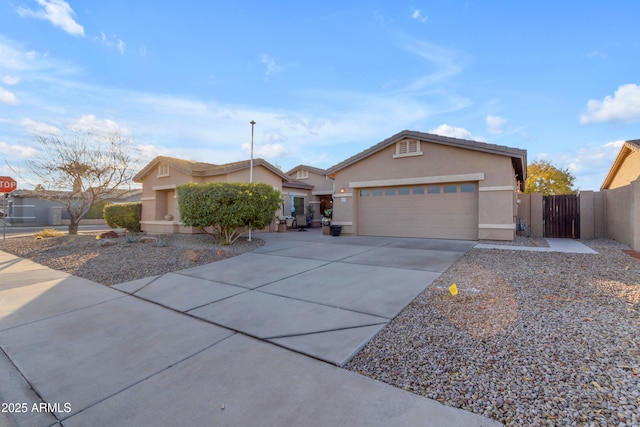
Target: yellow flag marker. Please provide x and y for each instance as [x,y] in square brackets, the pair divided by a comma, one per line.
[453,289]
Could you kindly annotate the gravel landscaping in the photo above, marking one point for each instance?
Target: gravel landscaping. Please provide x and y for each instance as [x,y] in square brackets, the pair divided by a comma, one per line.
[532,339]
[125,260]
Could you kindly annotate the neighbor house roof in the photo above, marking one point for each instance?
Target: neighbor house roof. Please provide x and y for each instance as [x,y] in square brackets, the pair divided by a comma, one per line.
[203,169]
[315,170]
[518,156]
[627,148]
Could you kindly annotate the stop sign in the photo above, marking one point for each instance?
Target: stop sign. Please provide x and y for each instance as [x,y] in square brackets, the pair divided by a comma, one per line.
[7,184]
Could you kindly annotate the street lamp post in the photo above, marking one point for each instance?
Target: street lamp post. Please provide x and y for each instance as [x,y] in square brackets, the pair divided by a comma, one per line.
[251,166]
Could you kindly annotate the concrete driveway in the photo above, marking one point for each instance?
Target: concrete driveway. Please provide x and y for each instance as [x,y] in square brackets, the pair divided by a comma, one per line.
[196,347]
[322,296]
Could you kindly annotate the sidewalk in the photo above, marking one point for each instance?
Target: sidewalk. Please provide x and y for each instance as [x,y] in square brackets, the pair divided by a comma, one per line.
[568,246]
[97,356]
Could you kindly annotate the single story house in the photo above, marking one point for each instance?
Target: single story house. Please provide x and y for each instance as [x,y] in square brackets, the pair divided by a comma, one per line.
[417,184]
[161,177]
[625,168]
[412,184]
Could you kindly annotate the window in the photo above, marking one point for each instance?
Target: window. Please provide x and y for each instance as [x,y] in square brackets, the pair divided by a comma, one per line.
[407,147]
[467,188]
[377,192]
[163,170]
[418,190]
[450,188]
[302,174]
[433,189]
[390,192]
[364,193]
[403,191]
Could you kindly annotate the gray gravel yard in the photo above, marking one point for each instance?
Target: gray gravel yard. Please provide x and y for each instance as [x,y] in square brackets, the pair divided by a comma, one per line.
[532,339]
[81,255]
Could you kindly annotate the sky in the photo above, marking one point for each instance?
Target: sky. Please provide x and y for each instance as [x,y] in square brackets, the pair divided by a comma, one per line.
[322,80]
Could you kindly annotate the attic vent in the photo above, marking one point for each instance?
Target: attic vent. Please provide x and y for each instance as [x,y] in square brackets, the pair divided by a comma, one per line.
[163,170]
[302,174]
[407,147]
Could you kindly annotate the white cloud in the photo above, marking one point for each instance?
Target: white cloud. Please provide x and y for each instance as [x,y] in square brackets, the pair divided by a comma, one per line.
[589,165]
[90,124]
[454,132]
[142,50]
[270,62]
[19,151]
[418,16]
[495,124]
[111,42]
[10,80]
[7,97]
[38,128]
[58,12]
[266,151]
[624,106]
[444,62]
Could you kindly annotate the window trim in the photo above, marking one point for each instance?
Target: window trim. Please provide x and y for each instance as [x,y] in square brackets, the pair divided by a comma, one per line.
[302,174]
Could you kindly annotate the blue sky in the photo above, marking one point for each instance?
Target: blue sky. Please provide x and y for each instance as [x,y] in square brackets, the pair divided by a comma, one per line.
[323,80]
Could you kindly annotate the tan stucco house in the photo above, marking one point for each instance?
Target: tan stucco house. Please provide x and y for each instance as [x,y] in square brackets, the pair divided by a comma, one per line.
[412,184]
[417,184]
[161,177]
[626,167]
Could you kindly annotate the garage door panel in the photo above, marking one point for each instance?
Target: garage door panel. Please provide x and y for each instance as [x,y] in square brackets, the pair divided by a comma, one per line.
[439,215]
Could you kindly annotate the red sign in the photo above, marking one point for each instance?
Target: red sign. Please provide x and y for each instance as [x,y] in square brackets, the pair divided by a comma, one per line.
[7,184]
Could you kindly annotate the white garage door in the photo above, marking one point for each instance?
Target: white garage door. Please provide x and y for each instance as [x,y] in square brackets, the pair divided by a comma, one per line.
[444,211]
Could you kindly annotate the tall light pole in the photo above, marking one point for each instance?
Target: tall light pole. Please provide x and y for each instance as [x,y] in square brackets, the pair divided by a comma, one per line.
[251,166]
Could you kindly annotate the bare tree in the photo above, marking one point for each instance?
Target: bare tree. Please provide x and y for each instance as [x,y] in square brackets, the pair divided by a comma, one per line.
[81,169]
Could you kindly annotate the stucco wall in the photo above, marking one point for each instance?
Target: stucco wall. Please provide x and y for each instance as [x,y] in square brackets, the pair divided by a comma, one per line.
[628,171]
[496,202]
[621,214]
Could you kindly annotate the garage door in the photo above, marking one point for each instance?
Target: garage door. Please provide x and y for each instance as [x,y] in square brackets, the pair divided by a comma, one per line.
[445,211]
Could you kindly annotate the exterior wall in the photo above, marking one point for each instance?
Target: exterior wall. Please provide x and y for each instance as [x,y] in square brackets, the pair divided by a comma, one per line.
[619,208]
[495,176]
[628,171]
[159,196]
[320,182]
[587,217]
[613,214]
[260,174]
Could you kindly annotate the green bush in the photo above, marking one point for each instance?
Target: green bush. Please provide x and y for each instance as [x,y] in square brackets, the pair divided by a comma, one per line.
[123,215]
[228,207]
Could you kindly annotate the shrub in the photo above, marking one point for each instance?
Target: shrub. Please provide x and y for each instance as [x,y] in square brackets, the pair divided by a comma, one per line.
[228,207]
[123,215]
[48,232]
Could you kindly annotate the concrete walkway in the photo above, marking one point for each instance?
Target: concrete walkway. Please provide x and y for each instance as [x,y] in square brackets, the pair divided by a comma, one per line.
[212,345]
[568,246]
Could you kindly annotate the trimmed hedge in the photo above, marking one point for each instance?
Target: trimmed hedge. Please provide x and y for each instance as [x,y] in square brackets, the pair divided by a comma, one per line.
[228,207]
[123,215]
